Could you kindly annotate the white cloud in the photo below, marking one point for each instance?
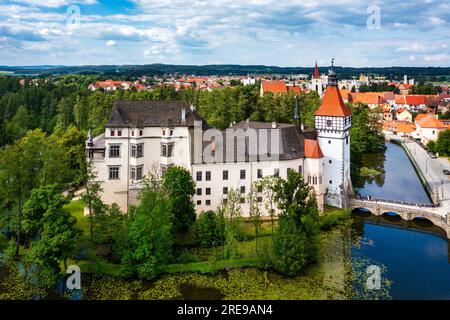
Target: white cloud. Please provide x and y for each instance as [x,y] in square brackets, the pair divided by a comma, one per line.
[111,43]
[54,3]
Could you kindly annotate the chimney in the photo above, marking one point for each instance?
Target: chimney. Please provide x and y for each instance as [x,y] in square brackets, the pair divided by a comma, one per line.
[274,125]
[183,114]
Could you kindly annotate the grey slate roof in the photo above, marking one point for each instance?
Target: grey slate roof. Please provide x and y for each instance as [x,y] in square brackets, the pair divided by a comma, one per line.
[151,114]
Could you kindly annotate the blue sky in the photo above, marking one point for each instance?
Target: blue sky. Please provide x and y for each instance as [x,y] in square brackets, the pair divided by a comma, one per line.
[269,32]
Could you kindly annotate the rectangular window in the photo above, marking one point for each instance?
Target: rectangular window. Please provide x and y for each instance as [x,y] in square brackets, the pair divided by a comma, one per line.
[113,173]
[242,189]
[276,172]
[225,174]
[260,173]
[259,199]
[132,133]
[166,149]
[199,191]
[242,174]
[137,150]
[136,172]
[242,200]
[112,133]
[198,176]
[199,202]
[300,169]
[208,202]
[141,132]
[208,175]
[119,133]
[225,190]
[114,151]
[208,191]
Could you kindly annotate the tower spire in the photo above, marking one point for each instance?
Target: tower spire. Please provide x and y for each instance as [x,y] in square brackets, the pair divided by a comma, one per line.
[332,76]
[316,71]
[296,114]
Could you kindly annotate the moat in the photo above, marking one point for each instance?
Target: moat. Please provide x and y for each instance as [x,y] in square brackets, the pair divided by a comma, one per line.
[415,254]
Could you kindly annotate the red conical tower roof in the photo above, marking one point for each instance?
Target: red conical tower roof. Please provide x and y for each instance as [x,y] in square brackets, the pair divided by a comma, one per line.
[332,104]
[316,72]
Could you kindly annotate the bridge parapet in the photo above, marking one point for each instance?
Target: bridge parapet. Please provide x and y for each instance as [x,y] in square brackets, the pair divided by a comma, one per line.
[406,212]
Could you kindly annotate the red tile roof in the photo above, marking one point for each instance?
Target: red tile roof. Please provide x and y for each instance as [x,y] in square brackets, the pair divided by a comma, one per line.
[312,149]
[332,104]
[274,86]
[295,89]
[368,97]
[430,121]
[420,116]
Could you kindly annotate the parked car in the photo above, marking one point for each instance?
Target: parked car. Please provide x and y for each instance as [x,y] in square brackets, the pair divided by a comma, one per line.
[447,172]
[432,155]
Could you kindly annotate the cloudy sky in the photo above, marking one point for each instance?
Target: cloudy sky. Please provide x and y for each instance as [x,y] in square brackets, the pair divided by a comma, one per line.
[269,32]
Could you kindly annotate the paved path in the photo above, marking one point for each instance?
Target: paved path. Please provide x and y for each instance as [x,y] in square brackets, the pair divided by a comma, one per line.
[432,171]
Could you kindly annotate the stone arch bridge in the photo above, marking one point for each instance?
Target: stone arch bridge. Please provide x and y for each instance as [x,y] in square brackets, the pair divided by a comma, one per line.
[406,210]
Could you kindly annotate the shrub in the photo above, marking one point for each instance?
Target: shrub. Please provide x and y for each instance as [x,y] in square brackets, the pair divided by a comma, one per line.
[207,229]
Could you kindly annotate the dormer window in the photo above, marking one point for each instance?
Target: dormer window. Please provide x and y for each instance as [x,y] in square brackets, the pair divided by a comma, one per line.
[171,132]
[119,133]
[164,132]
[141,132]
[112,133]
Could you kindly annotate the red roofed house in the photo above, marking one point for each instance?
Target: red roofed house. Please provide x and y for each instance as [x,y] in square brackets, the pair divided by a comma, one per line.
[278,87]
[333,121]
[372,99]
[273,86]
[411,102]
[428,128]
[109,85]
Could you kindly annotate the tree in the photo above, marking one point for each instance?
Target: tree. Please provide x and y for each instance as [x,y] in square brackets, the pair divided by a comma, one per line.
[149,243]
[296,240]
[180,187]
[72,142]
[255,212]
[80,113]
[232,213]
[92,197]
[52,228]
[108,225]
[21,164]
[443,143]
[267,186]
[207,229]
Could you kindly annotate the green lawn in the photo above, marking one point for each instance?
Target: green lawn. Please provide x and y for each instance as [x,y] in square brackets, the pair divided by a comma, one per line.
[76,209]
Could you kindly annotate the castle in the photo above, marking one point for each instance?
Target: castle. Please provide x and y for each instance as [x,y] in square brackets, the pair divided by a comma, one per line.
[151,136]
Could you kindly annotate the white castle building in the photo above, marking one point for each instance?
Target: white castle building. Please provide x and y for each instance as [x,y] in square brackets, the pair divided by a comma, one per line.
[151,136]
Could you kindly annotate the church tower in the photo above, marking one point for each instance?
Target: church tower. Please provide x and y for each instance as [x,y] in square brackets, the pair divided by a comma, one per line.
[317,81]
[333,121]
